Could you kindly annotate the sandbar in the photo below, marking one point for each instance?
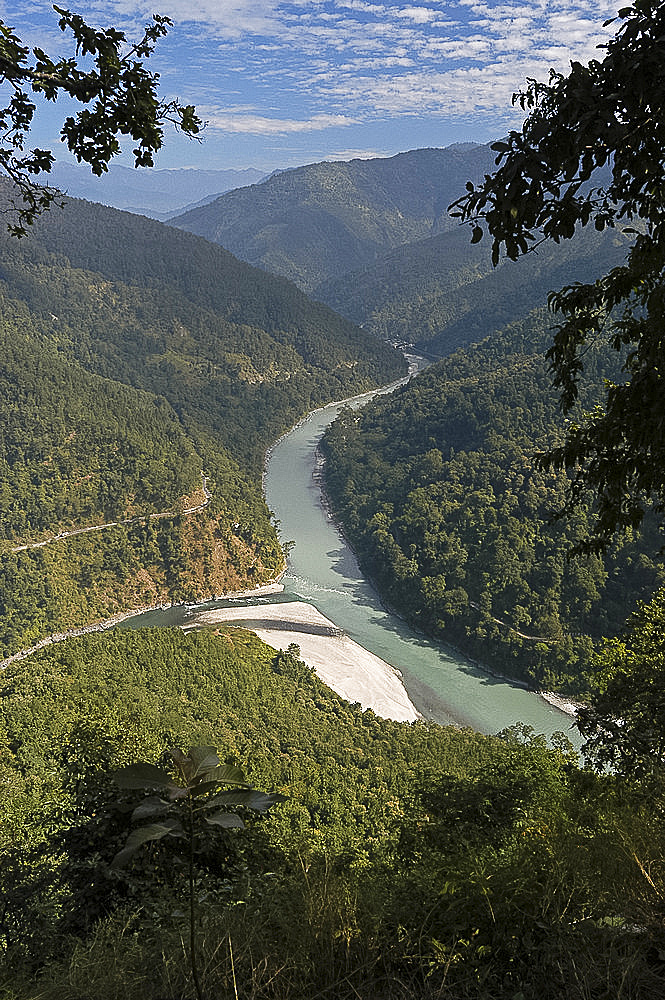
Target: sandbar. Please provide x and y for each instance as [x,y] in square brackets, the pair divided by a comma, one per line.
[350,670]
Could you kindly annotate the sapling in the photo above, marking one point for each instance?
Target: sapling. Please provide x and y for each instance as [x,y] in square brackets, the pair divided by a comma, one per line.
[200,790]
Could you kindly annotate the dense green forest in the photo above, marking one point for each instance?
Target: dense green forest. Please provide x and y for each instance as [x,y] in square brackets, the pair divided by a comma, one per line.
[237,352]
[135,359]
[439,492]
[408,860]
[442,293]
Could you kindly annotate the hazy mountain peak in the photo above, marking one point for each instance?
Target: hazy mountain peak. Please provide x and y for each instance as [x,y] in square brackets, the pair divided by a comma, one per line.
[155,193]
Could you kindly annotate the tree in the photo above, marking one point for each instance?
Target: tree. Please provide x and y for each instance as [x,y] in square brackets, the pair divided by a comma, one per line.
[192,797]
[109,78]
[592,150]
[624,722]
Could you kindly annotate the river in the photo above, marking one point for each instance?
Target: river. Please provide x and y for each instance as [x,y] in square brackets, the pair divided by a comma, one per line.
[322,570]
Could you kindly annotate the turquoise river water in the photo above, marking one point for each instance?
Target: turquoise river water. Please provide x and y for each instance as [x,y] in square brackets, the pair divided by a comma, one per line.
[322,570]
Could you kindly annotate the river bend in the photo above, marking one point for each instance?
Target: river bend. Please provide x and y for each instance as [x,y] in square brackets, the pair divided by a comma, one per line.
[322,570]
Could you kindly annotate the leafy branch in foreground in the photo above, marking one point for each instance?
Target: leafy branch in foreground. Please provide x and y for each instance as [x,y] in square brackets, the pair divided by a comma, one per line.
[592,151]
[120,95]
[201,791]
[624,721]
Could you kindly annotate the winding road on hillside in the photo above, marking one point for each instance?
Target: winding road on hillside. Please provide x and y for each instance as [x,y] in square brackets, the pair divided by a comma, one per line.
[114,524]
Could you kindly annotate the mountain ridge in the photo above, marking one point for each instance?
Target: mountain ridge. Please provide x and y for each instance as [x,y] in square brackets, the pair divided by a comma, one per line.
[321,220]
[157,193]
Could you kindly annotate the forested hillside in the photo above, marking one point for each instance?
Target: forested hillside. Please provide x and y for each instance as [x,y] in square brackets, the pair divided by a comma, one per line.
[408,860]
[135,358]
[154,307]
[439,493]
[325,220]
[443,293]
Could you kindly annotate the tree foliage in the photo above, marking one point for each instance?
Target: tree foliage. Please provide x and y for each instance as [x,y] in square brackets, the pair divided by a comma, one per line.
[109,77]
[624,722]
[592,151]
[410,860]
[186,799]
[188,796]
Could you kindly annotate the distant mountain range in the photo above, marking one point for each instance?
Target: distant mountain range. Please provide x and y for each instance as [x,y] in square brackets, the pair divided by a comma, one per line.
[158,194]
[374,240]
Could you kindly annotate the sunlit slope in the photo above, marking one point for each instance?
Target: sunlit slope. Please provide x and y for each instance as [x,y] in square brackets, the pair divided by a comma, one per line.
[136,359]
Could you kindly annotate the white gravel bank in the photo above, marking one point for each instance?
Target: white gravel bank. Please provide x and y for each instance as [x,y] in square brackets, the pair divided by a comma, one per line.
[351,671]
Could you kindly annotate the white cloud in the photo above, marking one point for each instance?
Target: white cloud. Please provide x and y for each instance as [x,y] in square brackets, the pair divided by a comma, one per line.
[355,154]
[349,21]
[239,120]
[306,66]
[231,18]
[362,7]
[419,15]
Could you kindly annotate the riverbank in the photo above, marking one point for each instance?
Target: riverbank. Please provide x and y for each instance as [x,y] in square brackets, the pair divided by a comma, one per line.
[566,705]
[561,702]
[350,670]
[269,588]
[445,687]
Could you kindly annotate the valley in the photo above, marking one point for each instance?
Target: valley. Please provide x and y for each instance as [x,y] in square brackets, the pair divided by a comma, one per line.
[464,848]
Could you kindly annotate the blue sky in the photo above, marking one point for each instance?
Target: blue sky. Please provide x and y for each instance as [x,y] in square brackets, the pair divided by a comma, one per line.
[281,84]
